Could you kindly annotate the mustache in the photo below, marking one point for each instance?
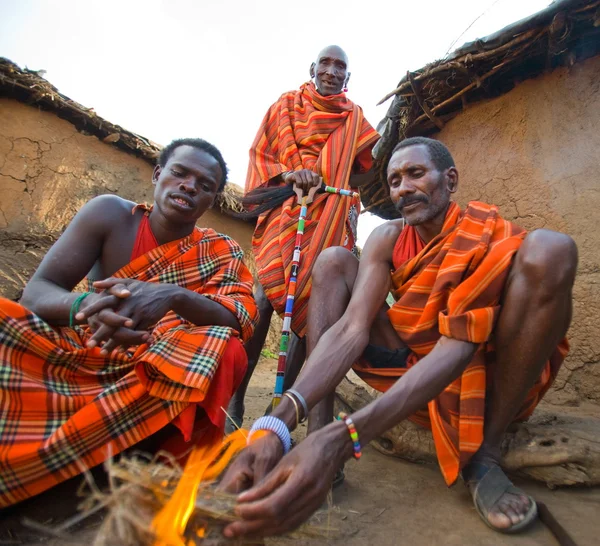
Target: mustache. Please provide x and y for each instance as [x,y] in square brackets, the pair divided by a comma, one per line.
[410,200]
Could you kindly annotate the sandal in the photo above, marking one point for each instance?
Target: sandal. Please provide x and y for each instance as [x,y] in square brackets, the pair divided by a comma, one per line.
[490,484]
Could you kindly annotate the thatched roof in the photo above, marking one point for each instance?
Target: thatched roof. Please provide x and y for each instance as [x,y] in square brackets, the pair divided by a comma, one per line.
[28,86]
[564,33]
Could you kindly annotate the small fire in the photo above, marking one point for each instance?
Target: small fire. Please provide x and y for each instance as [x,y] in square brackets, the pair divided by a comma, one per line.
[205,464]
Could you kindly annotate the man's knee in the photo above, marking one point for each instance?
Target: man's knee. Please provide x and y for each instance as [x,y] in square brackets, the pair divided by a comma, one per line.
[549,260]
[334,264]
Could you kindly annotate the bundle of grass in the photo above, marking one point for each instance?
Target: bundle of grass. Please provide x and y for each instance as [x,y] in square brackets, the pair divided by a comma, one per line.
[152,501]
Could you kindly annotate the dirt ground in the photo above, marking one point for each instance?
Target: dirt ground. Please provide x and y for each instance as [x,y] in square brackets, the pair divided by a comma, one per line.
[383,501]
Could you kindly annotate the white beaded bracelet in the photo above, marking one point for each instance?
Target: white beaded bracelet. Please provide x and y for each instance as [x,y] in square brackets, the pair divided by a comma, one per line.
[275,425]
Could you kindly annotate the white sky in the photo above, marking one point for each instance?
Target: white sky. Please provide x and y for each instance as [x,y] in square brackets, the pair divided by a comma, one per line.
[210,69]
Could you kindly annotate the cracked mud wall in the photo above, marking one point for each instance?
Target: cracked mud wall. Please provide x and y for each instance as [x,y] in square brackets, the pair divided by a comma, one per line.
[535,152]
[48,170]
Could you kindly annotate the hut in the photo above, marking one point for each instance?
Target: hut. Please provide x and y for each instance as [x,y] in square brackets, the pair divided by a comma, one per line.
[519,110]
[55,155]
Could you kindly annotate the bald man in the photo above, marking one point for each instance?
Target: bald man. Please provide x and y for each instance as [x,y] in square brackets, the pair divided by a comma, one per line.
[310,136]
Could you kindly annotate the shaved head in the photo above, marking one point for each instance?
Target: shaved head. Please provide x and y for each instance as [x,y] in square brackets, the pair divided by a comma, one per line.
[333,50]
[330,70]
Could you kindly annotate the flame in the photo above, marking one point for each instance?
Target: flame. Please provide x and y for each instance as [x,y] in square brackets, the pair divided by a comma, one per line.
[204,464]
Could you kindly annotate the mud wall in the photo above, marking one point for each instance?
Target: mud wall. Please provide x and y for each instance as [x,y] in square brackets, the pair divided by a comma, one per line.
[534,152]
[48,170]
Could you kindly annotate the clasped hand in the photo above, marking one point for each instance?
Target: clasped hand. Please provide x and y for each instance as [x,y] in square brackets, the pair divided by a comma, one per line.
[304,179]
[120,315]
[281,492]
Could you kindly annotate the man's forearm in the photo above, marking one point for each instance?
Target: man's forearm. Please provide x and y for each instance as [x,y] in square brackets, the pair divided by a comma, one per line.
[202,311]
[49,301]
[422,383]
[333,356]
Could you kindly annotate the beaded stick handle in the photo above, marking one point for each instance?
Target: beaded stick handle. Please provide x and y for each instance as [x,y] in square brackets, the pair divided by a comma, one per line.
[291,294]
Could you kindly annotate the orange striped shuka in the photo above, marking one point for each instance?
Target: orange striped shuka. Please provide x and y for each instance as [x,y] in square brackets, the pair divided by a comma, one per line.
[65,408]
[305,130]
[452,287]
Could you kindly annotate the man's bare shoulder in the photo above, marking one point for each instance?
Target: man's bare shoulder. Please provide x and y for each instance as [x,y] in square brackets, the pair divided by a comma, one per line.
[107,209]
[388,231]
[381,242]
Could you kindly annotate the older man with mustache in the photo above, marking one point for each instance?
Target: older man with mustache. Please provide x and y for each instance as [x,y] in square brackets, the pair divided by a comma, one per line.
[473,341]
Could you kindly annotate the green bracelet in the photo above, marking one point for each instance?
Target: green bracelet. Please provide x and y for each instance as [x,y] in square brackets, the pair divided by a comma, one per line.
[75,307]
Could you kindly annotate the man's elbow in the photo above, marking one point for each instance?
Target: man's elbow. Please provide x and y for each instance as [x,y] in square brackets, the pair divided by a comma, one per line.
[28,299]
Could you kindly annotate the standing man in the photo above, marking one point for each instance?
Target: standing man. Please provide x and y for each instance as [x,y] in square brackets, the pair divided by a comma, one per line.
[310,136]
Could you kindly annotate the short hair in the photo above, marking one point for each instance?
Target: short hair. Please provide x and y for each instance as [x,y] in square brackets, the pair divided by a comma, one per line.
[199,144]
[438,153]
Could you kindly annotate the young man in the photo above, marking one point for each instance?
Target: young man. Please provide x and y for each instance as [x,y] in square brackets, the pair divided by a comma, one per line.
[310,136]
[472,343]
[157,340]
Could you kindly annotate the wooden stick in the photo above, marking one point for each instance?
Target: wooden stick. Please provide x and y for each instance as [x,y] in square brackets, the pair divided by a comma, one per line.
[446,66]
[289,309]
[472,85]
[424,107]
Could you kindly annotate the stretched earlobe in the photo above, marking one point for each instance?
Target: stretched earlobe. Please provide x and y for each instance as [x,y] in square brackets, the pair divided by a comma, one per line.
[156,174]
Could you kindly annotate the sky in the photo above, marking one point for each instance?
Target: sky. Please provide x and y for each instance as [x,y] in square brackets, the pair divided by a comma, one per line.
[169,69]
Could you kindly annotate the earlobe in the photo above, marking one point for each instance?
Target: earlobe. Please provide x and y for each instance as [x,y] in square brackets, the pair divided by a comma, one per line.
[312,70]
[156,174]
[452,180]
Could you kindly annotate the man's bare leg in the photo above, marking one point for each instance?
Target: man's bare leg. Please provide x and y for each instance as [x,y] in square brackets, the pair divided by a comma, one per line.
[253,348]
[535,316]
[333,279]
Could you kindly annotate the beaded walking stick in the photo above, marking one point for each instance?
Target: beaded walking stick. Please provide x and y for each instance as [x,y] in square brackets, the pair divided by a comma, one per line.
[291,294]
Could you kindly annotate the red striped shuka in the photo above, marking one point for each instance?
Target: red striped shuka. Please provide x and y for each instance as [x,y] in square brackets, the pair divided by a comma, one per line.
[452,287]
[330,136]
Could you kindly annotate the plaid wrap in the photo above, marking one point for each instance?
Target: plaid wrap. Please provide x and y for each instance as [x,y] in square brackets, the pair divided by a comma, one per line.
[453,287]
[65,408]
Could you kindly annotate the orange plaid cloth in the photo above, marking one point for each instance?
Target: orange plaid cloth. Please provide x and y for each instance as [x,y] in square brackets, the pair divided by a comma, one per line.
[452,288]
[66,408]
[304,130]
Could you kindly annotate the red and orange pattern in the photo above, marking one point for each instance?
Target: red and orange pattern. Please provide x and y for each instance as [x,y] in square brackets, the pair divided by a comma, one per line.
[452,288]
[66,408]
[304,130]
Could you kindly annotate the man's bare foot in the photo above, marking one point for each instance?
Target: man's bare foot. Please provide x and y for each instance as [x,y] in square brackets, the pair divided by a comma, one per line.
[500,504]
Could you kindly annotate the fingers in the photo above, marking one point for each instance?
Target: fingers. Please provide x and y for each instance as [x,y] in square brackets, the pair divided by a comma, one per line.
[268,485]
[120,336]
[305,179]
[284,510]
[103,333]
[269,527]
[110,318]
[110,282]
[119,290]
[239,476]
[98,303]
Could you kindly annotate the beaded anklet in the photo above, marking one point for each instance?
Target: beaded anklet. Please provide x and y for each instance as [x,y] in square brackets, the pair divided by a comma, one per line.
[353,434]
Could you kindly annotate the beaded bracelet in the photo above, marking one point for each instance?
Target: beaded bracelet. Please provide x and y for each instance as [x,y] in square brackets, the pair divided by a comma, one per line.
[75,307]
[353,434]
[275,425]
